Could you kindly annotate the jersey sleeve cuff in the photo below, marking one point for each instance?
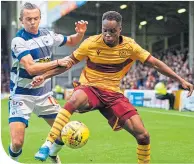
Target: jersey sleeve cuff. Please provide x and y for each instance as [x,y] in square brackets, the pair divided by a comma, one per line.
[147,58]
[20,56]
[64,41]
[76,57]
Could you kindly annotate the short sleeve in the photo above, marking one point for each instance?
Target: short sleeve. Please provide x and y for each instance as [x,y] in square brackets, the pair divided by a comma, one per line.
[139,53]
[19,48]
[58,39]
[81,52]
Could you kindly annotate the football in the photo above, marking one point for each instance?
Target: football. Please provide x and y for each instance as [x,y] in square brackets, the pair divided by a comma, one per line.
[75,134]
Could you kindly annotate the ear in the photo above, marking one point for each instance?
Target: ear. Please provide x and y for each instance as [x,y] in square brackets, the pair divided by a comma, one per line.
[21,20]
[120,29]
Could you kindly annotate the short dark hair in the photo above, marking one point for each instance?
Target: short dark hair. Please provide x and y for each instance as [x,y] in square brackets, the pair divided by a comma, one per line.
[28,5]
[112,15]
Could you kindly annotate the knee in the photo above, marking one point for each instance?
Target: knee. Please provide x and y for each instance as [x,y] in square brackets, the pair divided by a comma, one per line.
[17,144]
[143,138]
[70,106]
[76,102]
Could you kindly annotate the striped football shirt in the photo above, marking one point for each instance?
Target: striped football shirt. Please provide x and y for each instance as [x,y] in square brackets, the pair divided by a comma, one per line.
[39,46]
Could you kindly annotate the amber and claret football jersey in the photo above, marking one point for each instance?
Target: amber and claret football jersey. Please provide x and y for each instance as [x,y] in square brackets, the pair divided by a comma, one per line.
[106,66]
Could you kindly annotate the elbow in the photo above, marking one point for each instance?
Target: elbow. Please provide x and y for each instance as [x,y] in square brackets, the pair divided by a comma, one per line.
[31,72]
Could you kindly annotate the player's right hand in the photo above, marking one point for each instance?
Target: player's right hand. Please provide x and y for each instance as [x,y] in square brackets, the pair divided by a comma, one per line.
[37,80]
[188,86]
[66,62]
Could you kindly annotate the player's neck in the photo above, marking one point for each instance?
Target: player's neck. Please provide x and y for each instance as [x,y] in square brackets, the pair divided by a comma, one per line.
[119,41]
[35,32]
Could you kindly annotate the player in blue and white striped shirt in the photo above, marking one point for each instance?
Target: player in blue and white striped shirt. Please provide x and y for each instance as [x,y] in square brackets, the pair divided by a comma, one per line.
[31,54]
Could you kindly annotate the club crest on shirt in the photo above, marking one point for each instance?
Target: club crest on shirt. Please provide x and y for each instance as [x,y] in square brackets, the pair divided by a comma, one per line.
[124,53]
[45,39]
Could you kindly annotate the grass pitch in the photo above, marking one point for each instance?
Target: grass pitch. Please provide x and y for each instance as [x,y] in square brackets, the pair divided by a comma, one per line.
[172,138]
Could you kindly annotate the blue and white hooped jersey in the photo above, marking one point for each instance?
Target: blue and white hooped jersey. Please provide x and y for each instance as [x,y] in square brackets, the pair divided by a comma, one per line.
[39,46]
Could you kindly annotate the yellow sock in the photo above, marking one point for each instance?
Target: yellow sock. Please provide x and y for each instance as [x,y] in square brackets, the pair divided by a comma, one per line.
[61,120]
[143,154]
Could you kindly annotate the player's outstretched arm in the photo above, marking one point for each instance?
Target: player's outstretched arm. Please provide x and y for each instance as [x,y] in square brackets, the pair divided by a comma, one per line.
[40,68]
[37,68]
[67,63]
[80,28]
[165,70]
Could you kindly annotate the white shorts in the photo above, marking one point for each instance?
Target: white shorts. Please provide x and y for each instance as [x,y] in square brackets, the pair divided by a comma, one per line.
[21,107]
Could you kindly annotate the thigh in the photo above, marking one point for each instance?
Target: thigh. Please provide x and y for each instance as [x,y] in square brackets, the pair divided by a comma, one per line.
[162,97]
[119,111]
[20,109]
[170,95]
[83,99]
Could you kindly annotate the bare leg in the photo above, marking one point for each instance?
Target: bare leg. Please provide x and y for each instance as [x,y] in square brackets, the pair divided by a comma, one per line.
[135,126]
[17,132]
[78,100]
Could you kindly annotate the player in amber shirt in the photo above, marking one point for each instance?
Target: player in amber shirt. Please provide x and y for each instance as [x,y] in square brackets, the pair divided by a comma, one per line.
[109,57]
[106,66]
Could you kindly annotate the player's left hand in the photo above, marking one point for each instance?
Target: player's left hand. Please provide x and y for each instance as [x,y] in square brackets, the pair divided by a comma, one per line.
[188,86]
[81,26]
[66,62]
[37,80]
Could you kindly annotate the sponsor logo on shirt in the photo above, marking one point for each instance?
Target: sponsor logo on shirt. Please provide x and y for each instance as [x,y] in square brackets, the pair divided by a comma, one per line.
[44,60]
[17,103]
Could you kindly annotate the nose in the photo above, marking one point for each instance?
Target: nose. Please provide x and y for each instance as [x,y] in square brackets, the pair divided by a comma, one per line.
[107,34]
[32,21]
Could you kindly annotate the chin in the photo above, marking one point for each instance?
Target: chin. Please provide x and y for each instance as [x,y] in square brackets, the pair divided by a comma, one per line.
[110,44]
[33,31]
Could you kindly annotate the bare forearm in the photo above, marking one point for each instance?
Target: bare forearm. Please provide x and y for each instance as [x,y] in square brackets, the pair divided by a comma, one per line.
[75,39]
[70,61]
[53,72]
[40,68]
[167,71]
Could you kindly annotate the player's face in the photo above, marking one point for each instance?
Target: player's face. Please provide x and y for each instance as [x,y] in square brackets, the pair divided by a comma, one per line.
[31,20]
[111,31]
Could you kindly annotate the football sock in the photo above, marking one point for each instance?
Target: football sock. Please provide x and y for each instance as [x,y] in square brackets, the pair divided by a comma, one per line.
[56,147]
[61,120]
[14,155]
[143,154]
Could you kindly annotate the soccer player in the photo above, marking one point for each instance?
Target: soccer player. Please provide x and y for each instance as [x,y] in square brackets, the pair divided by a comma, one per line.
[31,54]
[109,57]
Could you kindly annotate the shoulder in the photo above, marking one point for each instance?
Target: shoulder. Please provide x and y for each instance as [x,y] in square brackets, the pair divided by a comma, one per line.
[95,38]
[44,31]
[21,35]
[92,39]
[18,40]
[128,40]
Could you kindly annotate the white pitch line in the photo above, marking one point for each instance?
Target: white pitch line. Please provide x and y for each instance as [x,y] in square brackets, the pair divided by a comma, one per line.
[174,114]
